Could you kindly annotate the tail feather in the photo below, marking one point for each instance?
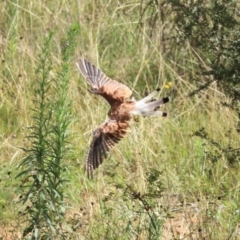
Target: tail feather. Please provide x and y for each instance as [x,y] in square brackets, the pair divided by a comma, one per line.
[155,104]
[155,113]
[149,97]
[149,107]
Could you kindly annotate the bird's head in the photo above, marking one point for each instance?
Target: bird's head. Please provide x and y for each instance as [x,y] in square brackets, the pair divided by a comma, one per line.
[96,133]
[93,90]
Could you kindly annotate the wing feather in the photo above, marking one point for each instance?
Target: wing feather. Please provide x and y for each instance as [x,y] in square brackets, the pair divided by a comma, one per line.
[104,139]
[110,89]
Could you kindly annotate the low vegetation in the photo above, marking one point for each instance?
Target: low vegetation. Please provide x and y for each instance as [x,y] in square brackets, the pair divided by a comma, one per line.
[171,178]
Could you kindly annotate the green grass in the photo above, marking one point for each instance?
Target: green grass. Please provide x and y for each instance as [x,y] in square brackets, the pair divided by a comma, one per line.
[160,158]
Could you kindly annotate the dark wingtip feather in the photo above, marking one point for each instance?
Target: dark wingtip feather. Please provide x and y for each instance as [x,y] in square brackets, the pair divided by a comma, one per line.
[89,170]
[158,89]
[165,100]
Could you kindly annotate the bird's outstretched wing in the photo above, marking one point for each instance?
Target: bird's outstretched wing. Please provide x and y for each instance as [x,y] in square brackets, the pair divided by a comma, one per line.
[104,138]
[110,89]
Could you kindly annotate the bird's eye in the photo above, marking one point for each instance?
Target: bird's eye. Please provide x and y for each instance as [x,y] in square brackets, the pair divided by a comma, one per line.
[96,133]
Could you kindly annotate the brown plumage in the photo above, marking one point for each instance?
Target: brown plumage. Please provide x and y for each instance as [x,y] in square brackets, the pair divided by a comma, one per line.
[121,111]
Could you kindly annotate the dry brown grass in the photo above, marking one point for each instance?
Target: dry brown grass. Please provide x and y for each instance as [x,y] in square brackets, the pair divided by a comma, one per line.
[190,180]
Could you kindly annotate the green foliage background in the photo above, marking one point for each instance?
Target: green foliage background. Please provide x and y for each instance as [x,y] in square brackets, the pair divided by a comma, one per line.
[169,178]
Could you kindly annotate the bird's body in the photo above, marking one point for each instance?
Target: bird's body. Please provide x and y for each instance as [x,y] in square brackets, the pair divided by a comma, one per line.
[121,111]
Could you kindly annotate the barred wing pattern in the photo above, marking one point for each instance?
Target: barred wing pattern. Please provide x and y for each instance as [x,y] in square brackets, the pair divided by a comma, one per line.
[104,138]
[110,89]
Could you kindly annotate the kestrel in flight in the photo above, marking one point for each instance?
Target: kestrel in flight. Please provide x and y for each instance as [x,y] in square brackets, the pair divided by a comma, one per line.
[122,109]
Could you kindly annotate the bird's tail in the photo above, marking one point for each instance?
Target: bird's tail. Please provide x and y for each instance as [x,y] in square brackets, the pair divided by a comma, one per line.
[149,106]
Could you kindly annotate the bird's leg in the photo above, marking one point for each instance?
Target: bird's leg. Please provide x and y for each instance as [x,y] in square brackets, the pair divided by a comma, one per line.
[136,118]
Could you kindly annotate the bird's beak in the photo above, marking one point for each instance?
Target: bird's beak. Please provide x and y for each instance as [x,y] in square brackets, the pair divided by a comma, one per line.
[91,91]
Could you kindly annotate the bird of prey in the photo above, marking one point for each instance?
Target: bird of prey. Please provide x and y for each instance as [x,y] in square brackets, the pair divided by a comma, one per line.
[122,109]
